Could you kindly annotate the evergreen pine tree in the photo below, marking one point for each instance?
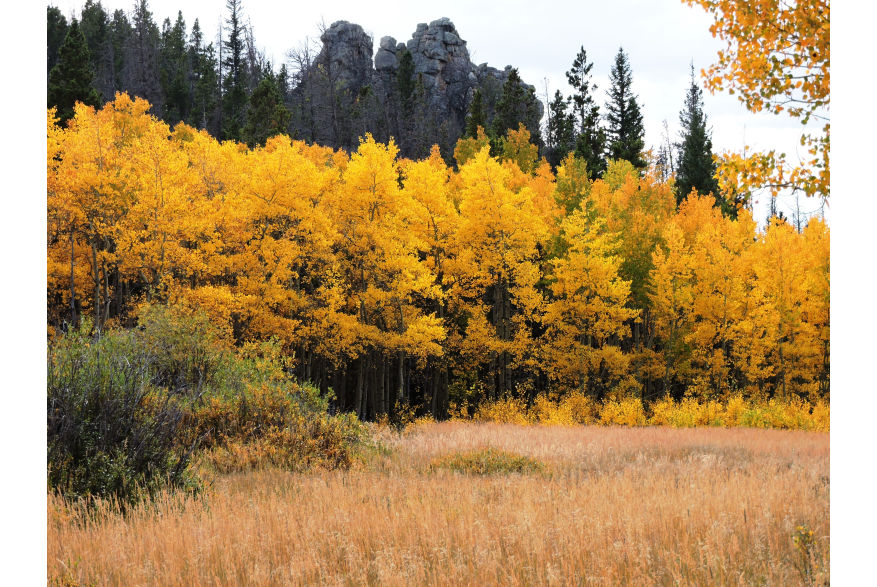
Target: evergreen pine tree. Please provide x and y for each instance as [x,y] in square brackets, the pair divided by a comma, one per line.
[56,32]
[283,82]
[175,70]
[234,81]
[516,105]
[71,80]
[95,25]
[590,143]
[625,133]
[696,168]
[476,116]
[140,75]
[579,77]
[204,81]
[120,31]
[560,129]
[267,115]
[405,81]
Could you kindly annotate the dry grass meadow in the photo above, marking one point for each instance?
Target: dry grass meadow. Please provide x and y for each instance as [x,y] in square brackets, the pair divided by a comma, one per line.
[611,506]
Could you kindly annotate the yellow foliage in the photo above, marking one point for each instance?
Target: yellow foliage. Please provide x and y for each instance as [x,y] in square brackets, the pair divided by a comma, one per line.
[777,58]
[368,269]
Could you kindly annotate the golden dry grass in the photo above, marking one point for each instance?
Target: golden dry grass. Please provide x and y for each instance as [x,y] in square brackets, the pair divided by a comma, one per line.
[619,506]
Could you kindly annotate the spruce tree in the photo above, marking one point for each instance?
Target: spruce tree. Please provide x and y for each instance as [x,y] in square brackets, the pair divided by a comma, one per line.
[696,168]
[175,70]
[476,116]
[56,32]
[267,115]
[71,80]
[405,81]
[204,81]
[625,133]
[120,31]
[560,129]
[579,77]
[234,93]
[590,142]
[516,105]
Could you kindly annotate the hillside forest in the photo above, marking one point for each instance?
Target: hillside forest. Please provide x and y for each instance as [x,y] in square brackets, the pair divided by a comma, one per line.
[388,279]
[498,258]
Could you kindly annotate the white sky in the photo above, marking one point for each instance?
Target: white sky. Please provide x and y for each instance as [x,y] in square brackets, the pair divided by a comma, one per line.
[541,39]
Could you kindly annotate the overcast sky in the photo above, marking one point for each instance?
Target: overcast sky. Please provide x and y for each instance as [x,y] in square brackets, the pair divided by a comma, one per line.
[541,39]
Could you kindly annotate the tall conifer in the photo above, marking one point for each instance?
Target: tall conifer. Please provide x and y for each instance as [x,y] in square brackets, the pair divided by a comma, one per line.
[518,104]
[590,143]
[71,80]
[267,115]
[234,93]
[696,168]
[625,133]
[476,116]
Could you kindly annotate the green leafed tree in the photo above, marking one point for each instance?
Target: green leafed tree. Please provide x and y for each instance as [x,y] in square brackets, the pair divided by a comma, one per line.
[590,142]
[267,115]
[56,32]
[625,133]
[516,105]
[476,116]
[695,167]
[71,80]
[560,129]
[234,82]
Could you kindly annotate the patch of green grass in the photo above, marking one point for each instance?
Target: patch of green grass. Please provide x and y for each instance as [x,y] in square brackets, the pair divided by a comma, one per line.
[487,461]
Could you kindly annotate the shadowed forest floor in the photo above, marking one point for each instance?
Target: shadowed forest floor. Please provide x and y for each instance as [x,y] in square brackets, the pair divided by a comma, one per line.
[604,506]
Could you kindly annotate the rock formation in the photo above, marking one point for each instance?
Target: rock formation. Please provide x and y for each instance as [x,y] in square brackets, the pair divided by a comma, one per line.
[441,61]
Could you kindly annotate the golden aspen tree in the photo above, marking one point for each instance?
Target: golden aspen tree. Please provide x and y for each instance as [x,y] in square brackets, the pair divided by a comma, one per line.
[433,220]
[671,300]
[467,148]
[499,233]
[589,308]
[781,267]
[722,278]
[382,265]
[817,311]
[637,209]
[517,148]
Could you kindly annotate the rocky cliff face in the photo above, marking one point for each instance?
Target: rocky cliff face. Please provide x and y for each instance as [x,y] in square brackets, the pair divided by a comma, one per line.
[441,60]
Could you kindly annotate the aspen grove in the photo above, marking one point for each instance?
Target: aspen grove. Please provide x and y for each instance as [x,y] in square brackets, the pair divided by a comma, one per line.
[390,282]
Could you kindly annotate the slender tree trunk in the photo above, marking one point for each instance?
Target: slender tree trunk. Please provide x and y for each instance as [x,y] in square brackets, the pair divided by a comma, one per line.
[72,284]
[357,400]
[106,294]
[379,384]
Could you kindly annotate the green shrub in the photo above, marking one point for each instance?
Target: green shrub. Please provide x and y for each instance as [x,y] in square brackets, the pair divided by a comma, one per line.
[110,431]
[282,424]
[126,412]
[487,461]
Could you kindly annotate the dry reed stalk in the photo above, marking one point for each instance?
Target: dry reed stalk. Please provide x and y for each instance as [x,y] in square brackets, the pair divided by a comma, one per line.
[621,506]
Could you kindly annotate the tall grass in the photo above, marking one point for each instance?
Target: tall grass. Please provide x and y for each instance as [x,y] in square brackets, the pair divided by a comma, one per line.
[621,506]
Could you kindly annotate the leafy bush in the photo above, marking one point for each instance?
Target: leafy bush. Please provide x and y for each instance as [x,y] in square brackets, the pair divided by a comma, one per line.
[487,461]
[279,425]
[126,412]
[110,431]
[576,409]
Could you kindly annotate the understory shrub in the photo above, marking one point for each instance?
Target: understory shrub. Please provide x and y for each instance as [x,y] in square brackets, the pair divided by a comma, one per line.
[283,424]
[129,411]
[576,409]
[110,431]
[487,461]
